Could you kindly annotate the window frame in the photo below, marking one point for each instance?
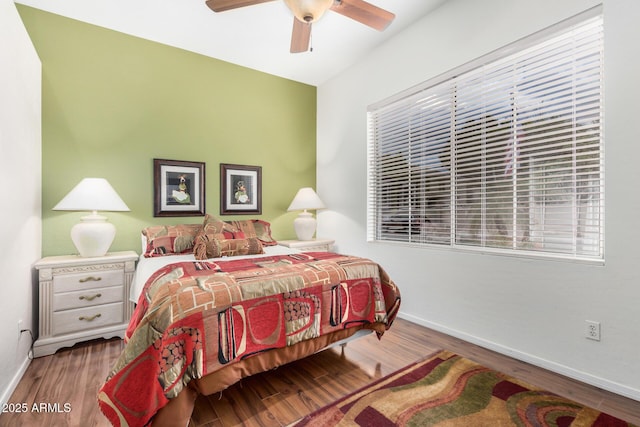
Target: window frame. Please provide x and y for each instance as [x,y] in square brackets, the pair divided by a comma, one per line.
[452,78]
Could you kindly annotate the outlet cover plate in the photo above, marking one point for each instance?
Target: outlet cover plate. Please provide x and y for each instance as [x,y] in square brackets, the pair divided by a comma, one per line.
[592,330]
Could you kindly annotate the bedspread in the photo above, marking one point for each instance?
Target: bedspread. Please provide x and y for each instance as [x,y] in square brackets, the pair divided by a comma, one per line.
[195,318]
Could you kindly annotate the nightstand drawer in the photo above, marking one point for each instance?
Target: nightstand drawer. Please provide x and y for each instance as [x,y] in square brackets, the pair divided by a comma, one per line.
[315,245]
[87,298]
[83,318]
[87,280]
[316,248]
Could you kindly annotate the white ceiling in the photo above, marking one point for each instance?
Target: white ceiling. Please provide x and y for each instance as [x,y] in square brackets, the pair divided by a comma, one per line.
[256,36]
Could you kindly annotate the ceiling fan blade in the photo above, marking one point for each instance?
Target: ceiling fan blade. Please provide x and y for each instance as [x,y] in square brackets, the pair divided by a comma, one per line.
[300,36]
[222,5]
[364,12]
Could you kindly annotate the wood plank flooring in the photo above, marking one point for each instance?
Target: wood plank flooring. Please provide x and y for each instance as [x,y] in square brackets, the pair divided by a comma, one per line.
[71,376]
[281,396]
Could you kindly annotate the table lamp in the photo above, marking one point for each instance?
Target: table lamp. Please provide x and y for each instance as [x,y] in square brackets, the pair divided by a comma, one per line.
[93,235]
[305,223]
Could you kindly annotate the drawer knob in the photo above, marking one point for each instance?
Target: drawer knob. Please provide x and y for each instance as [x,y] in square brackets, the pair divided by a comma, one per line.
[90,318]
[90,297]
[90,279]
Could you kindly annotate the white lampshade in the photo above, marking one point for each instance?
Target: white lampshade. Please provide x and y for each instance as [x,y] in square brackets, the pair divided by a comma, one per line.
[306,198]
[93,235]
[92,194]
[305,223]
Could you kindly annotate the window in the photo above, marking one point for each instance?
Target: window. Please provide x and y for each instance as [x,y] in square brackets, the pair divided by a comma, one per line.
[505,156]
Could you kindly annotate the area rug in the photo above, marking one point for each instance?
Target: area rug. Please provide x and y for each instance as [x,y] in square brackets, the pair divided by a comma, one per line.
[447,390]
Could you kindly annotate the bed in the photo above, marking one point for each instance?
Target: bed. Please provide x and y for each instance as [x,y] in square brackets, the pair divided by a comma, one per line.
[221,301]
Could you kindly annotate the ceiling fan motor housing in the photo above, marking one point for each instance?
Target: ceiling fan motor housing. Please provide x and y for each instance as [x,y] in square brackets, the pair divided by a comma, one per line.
[308,10]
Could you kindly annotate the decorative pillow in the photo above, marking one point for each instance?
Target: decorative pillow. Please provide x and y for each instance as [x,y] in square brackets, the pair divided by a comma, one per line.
[255,228]
[213,246]
[170,239]
[263,232]
[215,226]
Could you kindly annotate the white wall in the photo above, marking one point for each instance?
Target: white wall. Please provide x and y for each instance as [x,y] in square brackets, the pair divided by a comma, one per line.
[531,309]
[20,224]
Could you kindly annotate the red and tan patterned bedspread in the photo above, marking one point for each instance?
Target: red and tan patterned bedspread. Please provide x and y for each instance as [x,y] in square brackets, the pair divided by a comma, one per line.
[194,318]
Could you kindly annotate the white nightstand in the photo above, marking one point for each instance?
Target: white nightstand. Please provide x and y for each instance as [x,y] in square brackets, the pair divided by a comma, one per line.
[82,299]
[317,245]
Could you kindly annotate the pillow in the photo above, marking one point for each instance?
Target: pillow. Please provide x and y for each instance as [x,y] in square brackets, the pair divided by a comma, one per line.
[263,232]
[216,246]
[170,239]
[255,228]
[213,225]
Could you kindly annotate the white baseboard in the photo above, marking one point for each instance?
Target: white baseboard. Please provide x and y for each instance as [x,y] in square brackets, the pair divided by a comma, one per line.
[11,387]
[567,371]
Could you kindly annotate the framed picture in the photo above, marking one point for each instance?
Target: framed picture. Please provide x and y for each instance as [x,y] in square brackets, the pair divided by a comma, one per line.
[240,189]
[178,188]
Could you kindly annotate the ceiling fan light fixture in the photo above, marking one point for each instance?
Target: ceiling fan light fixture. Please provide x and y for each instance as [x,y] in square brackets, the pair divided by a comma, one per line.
[308,10]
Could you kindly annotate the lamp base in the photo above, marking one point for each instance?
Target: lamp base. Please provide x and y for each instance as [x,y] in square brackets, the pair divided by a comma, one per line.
[93,235]
[305,226]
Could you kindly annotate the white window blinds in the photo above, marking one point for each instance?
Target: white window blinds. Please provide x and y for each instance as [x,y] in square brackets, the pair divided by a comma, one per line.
[508,155]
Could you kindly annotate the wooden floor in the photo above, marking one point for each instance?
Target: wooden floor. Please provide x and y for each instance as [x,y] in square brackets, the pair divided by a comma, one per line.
[279,397]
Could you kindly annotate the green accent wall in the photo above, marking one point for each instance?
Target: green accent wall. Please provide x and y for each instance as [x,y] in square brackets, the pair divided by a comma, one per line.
[111,103]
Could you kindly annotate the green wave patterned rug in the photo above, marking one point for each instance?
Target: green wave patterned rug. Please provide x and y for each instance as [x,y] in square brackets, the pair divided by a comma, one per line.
[447,390]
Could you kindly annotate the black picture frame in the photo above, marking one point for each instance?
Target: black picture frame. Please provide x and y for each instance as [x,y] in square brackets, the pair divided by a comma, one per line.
[240,189]
[178,188]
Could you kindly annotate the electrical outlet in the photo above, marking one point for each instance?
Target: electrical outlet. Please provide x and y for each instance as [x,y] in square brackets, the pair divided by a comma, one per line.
[592,330]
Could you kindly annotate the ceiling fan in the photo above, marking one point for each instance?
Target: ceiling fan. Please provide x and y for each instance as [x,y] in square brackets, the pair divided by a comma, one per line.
[306,12]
